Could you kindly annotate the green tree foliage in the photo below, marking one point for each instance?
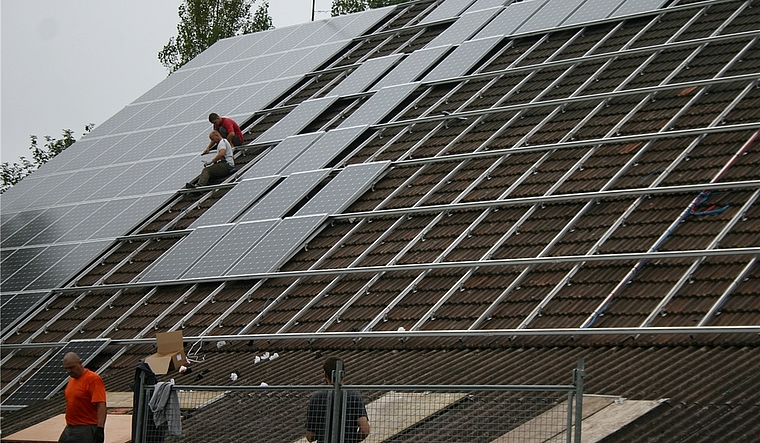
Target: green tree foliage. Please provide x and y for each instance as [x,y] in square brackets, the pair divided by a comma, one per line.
[13,173]
[203,22]
[340,7]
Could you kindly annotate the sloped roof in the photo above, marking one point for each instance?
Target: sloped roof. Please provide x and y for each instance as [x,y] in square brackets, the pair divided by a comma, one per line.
[551,177]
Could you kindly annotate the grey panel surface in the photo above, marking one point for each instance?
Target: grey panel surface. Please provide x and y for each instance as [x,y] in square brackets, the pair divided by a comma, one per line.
[120,118]
[282,155]
[64,184]
[133,147]
[35,267]
[344,189]
[464,28]
[67,218]
[379,105]
[592,10]
[510,19]
[33,227]
[365,75]
[234,46]
[229,249]
[68,266]
[51,377]
[487,4]
[18,259]
[218,50]
[358,24]
[17,307]
[161,88]
[551,15]
[297,119]
[463,59]
[311,61]
[285,195]
[412,67]
[636,6]
[135,210]
[446,10]
[235,201]
[18,222]
[324,150]
[184,254]
[264,95]
[96,219]
[279,244]
[146,118]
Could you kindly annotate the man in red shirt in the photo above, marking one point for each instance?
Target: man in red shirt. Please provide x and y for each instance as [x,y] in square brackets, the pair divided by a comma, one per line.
[85,403]
[228,128]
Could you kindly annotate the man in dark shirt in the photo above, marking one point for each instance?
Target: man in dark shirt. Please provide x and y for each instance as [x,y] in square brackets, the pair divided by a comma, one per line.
[356,422]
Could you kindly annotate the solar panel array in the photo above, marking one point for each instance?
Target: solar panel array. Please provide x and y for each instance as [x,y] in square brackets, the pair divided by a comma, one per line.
[318,94]
[51,377]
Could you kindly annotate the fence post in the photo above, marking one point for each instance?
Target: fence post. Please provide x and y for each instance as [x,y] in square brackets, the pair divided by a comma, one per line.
[578,375]
[335,417]
[140,425]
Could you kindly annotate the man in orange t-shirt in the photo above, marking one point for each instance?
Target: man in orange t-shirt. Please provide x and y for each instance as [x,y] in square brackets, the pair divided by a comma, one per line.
[85,403]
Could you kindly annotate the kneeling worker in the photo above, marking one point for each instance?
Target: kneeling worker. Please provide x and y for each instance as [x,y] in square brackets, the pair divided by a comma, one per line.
[221,165]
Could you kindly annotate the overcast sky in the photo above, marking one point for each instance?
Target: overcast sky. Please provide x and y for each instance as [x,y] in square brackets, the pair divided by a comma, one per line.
[67,63]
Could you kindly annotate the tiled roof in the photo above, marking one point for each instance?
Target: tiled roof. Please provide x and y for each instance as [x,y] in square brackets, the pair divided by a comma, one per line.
[587,190]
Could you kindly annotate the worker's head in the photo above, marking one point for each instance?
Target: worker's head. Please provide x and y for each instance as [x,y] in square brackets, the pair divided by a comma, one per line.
[214,118]
[330,366]
[73,365]
[215,136]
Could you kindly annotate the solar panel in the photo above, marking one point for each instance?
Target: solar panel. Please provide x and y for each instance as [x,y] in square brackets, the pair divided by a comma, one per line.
[135,146]
[357,24]
[234,46]
[636,6]
[342,190]
[448,9]
[283,154]
[297,119]
[18,259]
[51,377]
[282,241]
[511,18]
[285,195]
[135,210]
[18,222]
[463,58]
[33,227]
[65,268]
[93,220]
[35,267]
[314,58]
[264,94]
[235,201]
[18,306]
[65,183]
[592,10]
[366,74]
[229,249]
[322,151]
[379,105]
[464,28]
[551,15]
[487,4]
[157,91]
[412,67]
[67,219]
[219,50]
[184,254]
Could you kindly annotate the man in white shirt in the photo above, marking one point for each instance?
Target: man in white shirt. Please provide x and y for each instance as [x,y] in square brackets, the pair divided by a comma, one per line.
[220,165]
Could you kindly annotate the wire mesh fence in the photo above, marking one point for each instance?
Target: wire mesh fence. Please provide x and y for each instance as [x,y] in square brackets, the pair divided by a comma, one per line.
[466,413]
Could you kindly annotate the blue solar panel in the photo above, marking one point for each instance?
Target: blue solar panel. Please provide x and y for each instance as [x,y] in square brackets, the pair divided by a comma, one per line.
[464,28]
[230,248]
[278,245]
[342,190]
[235,201]
[285,195]
[51,377]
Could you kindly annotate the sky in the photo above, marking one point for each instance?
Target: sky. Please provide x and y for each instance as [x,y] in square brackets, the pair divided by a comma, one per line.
[67,63]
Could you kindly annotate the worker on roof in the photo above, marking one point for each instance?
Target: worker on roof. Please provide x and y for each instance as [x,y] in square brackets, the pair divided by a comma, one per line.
[228,128]
[85,403]
[220,165]
[356,424]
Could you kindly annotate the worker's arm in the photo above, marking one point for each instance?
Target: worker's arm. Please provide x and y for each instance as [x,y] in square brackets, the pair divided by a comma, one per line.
[101,414]
[363,427]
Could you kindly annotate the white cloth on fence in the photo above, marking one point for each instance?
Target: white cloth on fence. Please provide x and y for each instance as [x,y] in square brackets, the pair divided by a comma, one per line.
[164,403]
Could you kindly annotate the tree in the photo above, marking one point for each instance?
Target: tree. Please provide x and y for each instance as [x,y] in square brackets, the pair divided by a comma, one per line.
[340,7]
[203,22]
[13,173]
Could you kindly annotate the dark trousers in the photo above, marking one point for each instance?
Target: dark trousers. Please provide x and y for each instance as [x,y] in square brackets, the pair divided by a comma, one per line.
[235,139]
[78,434]
[217,170]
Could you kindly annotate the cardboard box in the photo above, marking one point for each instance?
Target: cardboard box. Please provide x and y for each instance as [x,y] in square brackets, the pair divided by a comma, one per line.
[170,355]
